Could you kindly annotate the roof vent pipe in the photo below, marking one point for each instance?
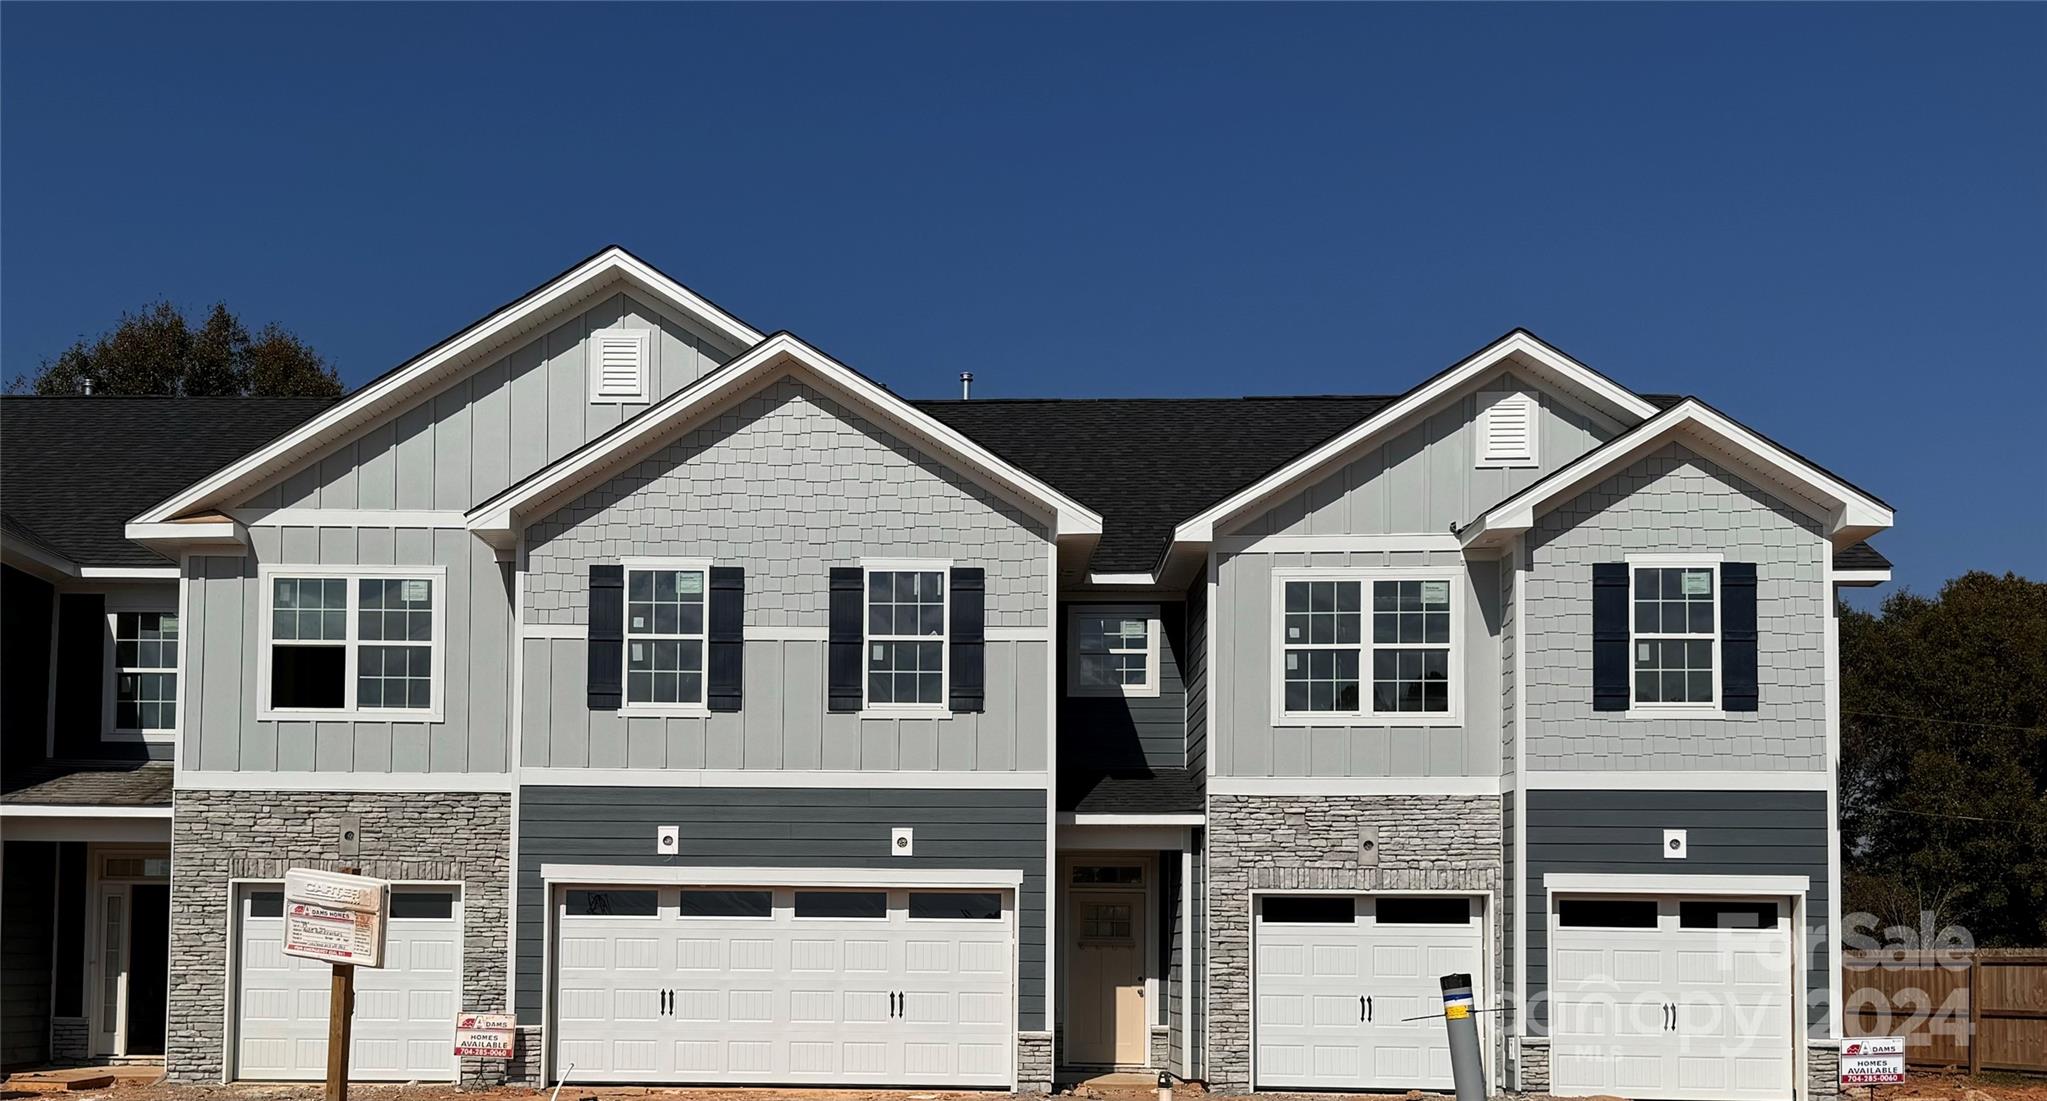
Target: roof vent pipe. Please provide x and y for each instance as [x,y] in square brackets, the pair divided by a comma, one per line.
[966,385]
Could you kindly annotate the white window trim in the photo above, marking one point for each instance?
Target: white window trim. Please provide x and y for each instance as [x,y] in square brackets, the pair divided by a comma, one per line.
[696,710]
[112,672]
[1660,710]
[871,710]
[438,648]
[644,395]
[1534,456]
[1150,688]
[1365,716]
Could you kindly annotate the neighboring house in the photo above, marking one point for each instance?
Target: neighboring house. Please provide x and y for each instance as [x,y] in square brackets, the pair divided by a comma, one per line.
[730,719]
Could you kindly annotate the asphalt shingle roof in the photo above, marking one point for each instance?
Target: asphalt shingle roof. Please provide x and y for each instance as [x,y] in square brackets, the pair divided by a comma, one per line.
[1160,791]
[75,470]
[84,783]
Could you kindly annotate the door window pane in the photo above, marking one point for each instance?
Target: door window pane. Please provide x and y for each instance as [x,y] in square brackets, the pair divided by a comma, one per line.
[1311,909]
[727,904]
[1723,914]
[842,904]
[956,905]
[308,676]
[1404,910]
[612,903]
[422,905]
[266,904]
[1607,913]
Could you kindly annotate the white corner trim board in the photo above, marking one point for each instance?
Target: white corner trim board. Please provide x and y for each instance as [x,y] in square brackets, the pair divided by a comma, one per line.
[1652,884]
[639,874]
[1677,781]
[1353,785]
[779,778]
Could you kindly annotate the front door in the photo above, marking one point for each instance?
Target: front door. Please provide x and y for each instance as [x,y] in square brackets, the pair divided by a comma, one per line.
[1105,974]
[149,945]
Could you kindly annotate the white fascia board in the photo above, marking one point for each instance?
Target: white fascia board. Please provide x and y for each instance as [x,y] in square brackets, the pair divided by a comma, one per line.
[33,559]
[1651,883]
[1856,579]
[1124,580]
[495,521]
[417,376]
[173,537]
[351,518]
[63,810]
[1543,359]
[1852,514]
[880,876]
[1081,818]
[129,573]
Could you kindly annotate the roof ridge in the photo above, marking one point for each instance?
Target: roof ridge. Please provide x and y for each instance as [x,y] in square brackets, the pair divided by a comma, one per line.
[1152,399]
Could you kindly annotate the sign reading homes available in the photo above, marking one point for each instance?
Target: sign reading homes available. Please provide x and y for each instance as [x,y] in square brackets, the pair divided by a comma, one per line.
[1873,1061]
[484,1035]
[335,917]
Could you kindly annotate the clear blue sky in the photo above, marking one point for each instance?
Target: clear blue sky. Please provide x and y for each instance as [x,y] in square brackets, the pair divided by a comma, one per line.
[1828,220]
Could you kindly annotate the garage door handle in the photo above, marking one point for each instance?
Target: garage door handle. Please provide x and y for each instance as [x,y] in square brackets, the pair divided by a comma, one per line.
[1364,1007]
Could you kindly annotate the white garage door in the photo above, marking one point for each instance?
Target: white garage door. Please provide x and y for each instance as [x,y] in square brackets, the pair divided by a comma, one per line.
[782,985]
[404,1011]
[1672,998]
[1340,982]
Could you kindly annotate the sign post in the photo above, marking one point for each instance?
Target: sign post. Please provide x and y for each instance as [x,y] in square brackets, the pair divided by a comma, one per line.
[337,917]
[1873,1061]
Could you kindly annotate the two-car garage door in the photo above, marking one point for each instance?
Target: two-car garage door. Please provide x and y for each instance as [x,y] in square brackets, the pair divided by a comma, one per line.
[785,985]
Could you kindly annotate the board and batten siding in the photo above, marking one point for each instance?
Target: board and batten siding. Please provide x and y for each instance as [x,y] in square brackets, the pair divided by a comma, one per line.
[1127,732]
[999,830]
[1676,501]
[223,631]
[1249,744]
[1740,833]
[1427,478]
[497,423]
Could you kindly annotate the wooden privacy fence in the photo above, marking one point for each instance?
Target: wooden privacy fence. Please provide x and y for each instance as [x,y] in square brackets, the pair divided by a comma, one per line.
[1983,1009]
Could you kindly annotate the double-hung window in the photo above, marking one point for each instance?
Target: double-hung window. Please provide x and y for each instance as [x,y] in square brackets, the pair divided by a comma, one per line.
[1676,631]
[664,629]
[144,674]
[1365,644]
[906,625]
[361,642]
[1112,650]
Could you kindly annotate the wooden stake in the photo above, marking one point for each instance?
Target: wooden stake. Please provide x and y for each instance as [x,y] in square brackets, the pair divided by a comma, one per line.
[340,1023]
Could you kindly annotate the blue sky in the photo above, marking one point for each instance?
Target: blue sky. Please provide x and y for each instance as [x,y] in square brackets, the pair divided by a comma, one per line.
[1828,220]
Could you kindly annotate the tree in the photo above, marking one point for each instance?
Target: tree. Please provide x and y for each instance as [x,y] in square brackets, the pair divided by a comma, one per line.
[1944,756]
[158,352]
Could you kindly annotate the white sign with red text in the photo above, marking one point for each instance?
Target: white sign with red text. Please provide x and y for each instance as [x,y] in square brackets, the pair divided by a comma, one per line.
[1873,1061]
[335,917]
[484,1035]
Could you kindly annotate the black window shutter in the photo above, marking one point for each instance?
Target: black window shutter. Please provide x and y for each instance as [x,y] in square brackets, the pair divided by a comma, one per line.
[727,637]
[607,636]
[1610,636]
[969,640]
[842,658]
[1738,636]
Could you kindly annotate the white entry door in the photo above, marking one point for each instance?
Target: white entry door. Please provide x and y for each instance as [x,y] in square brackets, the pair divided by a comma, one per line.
[404,1011]
[785,985]
[1349,991]
[1686,998]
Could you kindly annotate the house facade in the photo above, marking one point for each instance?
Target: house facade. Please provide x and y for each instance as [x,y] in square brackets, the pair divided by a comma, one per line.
[730,719]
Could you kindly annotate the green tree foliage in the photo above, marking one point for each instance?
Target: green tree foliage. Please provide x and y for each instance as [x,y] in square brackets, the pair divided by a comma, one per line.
[1944,757]
[159,352]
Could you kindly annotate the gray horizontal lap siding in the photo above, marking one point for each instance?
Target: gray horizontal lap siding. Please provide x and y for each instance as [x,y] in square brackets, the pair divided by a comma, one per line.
[1727,833]
[497,423]
[992,830]
[1197,675]
[1676,502]
[1127,732]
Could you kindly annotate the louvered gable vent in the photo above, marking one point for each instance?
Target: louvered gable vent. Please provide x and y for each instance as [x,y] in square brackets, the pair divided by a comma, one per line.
[1506,432]
[618,366]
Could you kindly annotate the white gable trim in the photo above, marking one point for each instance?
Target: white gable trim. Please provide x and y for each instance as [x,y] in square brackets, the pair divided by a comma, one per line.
[614,264]
[1532,355]
[1850,514]
[497,520]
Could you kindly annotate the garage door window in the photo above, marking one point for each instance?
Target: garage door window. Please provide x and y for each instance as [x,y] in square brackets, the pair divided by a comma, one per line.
[727,904]
[1424,911]
[955,906]
[422,905]
[611,904]
[1296,910]
[1607,913]
[842,904]
[1716,914]
[266,904]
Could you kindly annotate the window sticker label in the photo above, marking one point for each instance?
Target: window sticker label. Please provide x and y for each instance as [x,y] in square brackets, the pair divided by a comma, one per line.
[636,646]
[1435,592]
[1644,651]
[639,623]
[1133,626]
[1293,662]
[877,651]
[690,584]
[1697,583]
[1293,632]
[416,591]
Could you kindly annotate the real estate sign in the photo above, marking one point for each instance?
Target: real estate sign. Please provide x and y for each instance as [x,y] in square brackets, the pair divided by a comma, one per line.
[1873,1061]
[335,917]
[486,1035]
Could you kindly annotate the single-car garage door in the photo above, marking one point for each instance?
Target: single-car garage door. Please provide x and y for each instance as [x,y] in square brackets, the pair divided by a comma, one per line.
[1688,998]
[785,985]
[1340,982]
[404,1011]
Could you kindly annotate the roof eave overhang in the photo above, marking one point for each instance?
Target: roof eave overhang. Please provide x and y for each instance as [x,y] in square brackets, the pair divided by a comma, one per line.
[1519,348]
[37,561]
[499,520]
[427,371]
[1861,579]
[1847,515]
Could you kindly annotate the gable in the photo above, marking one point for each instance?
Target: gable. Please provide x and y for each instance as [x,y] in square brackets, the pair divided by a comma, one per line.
[1435,473]
[497,422]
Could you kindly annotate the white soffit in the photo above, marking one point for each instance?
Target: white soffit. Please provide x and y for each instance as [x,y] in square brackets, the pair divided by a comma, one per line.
[613,269]
[1519,350]
[497,520]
